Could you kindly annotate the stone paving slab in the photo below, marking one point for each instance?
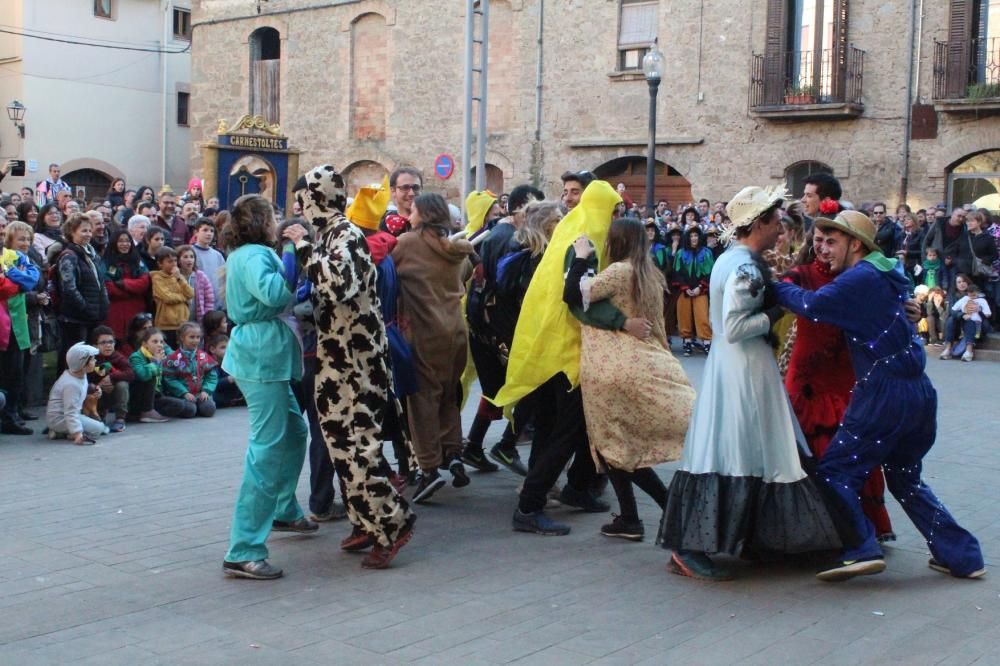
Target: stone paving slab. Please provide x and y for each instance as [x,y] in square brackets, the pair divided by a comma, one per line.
[112,555]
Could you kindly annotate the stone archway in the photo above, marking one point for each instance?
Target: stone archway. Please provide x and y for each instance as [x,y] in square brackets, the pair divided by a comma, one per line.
[630,170]
[363,172]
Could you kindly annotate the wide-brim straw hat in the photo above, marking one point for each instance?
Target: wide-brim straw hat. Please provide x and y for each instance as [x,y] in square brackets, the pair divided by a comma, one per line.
[854,224]
[749,203]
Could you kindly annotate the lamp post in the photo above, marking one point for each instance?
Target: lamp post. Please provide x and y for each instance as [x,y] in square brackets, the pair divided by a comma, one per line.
[15,111]
[652,67]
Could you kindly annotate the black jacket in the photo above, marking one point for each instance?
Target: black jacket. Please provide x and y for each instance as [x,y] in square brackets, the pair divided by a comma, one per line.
[83,299]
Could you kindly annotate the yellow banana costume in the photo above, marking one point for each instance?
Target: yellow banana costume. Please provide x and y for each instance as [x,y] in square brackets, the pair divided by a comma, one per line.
[547,337]
[369,205]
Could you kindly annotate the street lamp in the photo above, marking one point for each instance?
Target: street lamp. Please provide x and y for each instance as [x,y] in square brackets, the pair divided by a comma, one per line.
[15,111]
[652,67]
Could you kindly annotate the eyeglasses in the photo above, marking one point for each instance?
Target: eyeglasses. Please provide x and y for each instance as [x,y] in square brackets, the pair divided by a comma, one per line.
[878,212]
[409,188]
[102,343]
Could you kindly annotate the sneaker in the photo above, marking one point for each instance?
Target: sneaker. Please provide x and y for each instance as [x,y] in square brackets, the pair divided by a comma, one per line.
[336,511]
[848,569]
[398,482]
[357,540]
[706,347]
[937,566]
[687,347]
[25,415]
[510,459]
[968,355]
[477,460]
[118,426]
[152,416]
[255,569]
[537,523]
[301,526]
[459,477]
[698,566]
[581,499]
[12,428]
[886,537]
[946,354]
[623,530]
[381,556]
[429,483]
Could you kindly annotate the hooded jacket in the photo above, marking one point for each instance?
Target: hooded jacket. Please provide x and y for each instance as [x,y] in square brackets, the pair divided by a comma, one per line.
[692,267]
[477,207]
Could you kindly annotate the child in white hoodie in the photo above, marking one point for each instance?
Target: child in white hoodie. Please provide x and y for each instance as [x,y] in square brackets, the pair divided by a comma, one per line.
[67,397]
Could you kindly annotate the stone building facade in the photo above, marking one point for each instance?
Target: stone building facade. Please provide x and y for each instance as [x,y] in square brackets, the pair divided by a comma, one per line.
[372,84]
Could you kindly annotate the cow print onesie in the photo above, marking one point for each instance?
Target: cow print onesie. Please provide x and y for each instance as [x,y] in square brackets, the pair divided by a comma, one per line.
[353,381]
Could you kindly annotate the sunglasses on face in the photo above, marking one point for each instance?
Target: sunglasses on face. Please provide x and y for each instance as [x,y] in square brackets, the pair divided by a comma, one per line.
[409,188]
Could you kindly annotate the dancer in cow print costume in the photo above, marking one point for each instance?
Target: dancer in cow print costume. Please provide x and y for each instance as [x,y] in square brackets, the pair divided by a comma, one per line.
[353,381]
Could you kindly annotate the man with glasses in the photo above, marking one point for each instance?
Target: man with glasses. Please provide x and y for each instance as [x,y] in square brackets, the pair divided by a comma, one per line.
[888,235]
[168,219]
[405,184]
[950,238]
[112,375]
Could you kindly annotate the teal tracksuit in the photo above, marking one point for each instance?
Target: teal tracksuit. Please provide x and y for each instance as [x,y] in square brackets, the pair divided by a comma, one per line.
[264,356]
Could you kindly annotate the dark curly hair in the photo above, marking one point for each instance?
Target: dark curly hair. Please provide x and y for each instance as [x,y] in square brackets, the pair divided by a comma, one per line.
[250,222]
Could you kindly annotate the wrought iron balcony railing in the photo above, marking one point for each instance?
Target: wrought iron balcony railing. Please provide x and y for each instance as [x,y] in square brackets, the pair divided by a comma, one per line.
[967,69]
[784,82]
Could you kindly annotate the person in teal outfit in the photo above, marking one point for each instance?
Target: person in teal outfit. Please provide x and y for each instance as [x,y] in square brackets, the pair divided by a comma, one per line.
[264,356]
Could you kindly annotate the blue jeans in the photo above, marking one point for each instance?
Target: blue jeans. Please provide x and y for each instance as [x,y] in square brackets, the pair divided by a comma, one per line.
[275,454]
[956,322]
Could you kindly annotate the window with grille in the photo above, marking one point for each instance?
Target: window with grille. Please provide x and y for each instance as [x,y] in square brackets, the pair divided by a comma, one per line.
[183,106]
[637,28]
[104,8]
[796,174]
[182,23]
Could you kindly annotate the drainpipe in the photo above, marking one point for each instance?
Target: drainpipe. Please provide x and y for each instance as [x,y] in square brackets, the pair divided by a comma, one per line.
[536,156]
[904,181]
[167,25]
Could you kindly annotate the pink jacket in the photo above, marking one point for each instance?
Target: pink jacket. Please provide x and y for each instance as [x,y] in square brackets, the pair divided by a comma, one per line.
[204,297]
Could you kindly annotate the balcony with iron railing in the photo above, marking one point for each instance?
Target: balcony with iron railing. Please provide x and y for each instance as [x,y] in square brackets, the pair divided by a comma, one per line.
[967,75]
[807,85]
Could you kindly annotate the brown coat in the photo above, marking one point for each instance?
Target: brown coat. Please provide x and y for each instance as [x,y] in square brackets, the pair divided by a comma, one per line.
[432,273]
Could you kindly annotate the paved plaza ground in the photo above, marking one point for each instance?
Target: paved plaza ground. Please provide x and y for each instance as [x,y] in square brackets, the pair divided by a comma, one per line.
[112,555]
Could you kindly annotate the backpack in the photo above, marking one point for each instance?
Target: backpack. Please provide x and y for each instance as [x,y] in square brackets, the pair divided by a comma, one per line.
[52,281]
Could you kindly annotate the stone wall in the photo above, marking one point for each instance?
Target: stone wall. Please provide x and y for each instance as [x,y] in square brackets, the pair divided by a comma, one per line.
[381,81]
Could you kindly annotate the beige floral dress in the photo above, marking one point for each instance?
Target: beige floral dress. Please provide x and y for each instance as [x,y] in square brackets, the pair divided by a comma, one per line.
[636,396]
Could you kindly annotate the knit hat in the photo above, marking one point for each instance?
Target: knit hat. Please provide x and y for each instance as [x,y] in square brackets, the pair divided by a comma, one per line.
[79,355]
[369,205]
[193,183]
[477,205]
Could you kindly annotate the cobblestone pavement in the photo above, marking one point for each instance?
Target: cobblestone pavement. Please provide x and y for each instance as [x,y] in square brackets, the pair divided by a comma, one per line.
[111,555]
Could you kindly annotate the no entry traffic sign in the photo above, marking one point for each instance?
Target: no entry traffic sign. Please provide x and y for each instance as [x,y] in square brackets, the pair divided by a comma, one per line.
[444,166]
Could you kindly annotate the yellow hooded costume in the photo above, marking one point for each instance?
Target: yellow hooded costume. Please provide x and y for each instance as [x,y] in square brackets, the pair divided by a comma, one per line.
[369,205]
[547,337]
[477,205]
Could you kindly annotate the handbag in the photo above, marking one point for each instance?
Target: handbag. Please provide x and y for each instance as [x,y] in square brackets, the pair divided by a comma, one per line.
[979,267]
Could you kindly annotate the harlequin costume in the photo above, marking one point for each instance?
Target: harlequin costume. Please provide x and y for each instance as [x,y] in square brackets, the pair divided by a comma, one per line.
[891,419]
[819,382]
[353,383]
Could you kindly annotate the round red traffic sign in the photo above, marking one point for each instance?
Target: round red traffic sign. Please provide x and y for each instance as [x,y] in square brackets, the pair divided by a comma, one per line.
[444,166]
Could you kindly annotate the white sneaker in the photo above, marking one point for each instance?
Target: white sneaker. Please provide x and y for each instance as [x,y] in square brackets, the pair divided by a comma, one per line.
[968,355]
[946,354]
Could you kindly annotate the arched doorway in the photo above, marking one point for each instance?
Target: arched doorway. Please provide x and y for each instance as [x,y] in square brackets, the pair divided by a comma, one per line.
[362,173]
[796,174]
[95,183]
[668,183]
[494,178]
[265,67]
[973,177]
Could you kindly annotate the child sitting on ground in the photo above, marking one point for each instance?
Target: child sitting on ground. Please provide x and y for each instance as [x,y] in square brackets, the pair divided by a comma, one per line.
[146,393]
[190,372]
[112,375]
[171,293]
[227,393]
[67,396]
[936,311]
[214,323]
[966,314]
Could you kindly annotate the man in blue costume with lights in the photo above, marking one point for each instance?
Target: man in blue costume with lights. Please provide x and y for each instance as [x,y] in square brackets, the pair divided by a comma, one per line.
[892,417]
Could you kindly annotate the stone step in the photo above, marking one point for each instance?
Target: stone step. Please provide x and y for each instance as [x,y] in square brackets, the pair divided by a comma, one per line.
[992,341]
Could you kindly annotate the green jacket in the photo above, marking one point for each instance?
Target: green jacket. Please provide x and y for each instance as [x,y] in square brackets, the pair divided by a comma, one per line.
[602,314]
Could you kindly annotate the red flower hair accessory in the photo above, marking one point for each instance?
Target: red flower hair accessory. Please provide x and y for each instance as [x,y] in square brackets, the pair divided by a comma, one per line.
[829,206]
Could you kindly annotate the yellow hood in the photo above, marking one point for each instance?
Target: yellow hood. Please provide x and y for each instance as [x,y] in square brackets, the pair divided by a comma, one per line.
[547,337]
[477,205]
[369,205]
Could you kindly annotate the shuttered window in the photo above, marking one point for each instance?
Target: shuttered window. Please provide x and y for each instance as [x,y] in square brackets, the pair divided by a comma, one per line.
[637,29]
[806,48]
[265,68]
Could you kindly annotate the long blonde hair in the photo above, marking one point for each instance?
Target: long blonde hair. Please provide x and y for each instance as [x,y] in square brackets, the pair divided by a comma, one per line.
[540,220]
[627,241]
